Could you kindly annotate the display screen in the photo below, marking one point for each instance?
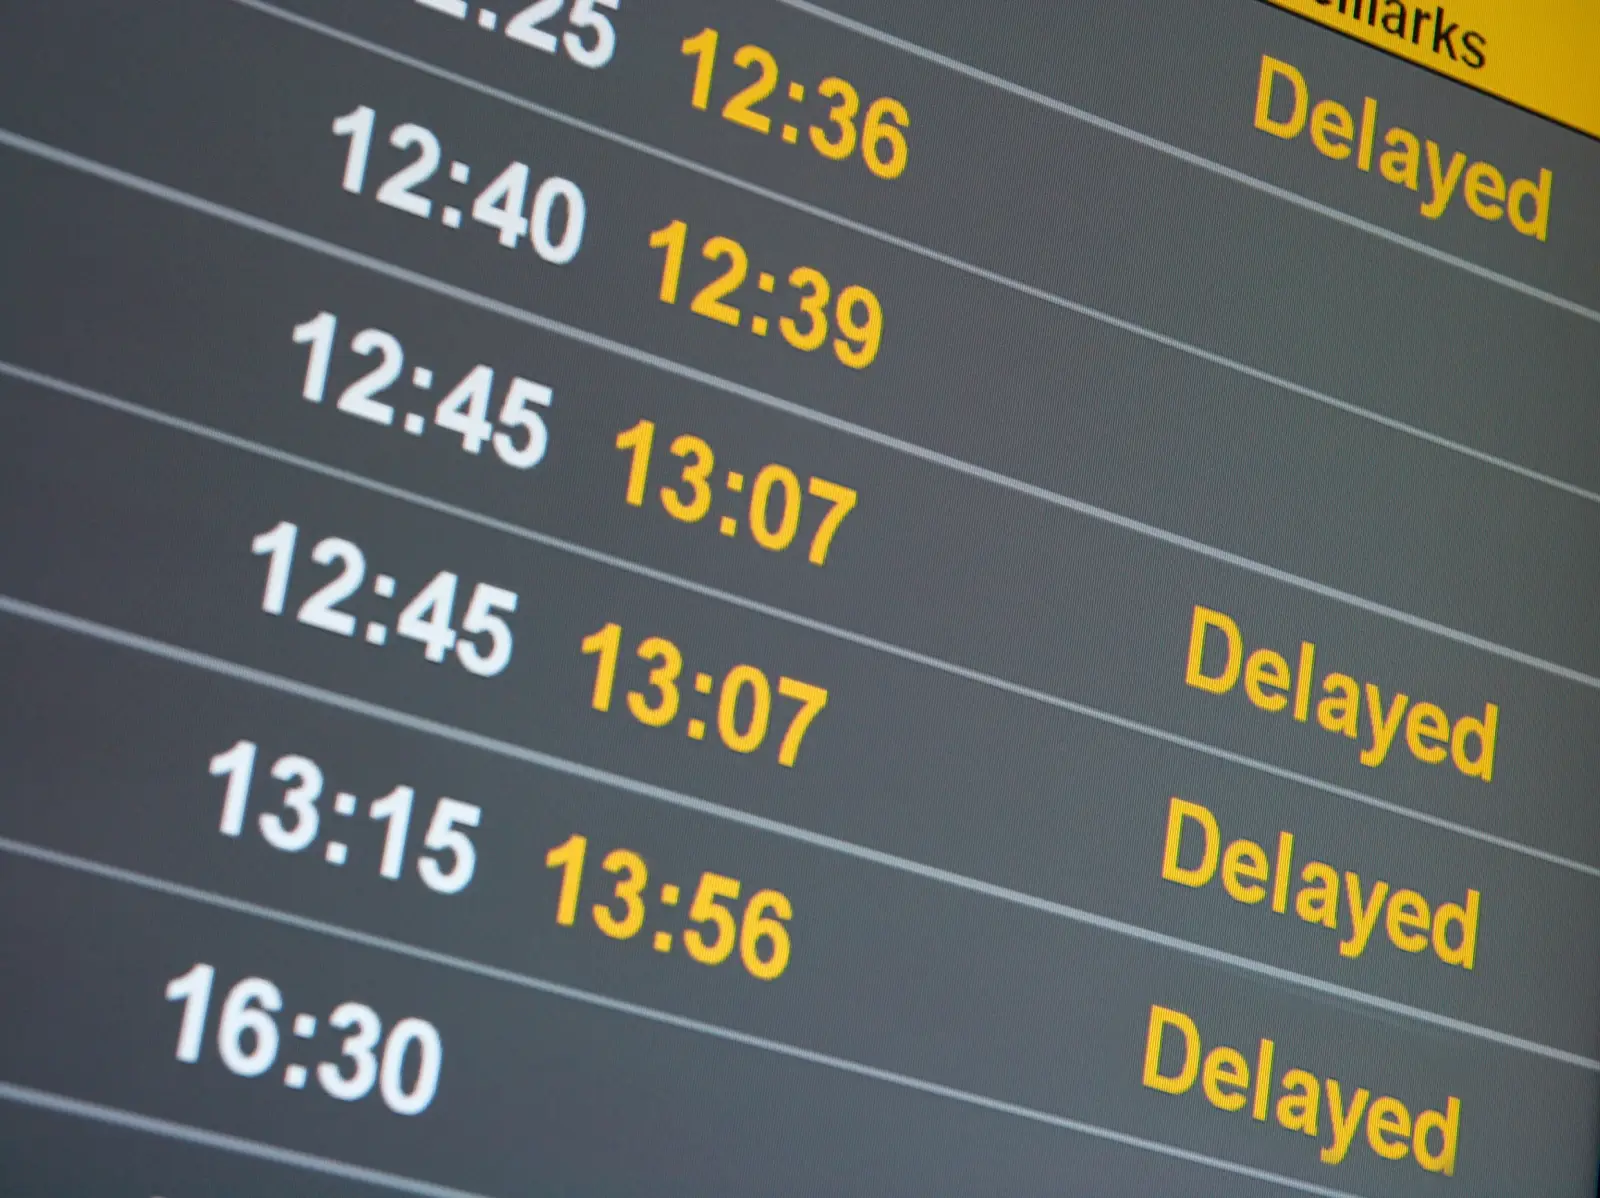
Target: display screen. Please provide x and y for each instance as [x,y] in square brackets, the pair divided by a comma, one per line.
[748,597]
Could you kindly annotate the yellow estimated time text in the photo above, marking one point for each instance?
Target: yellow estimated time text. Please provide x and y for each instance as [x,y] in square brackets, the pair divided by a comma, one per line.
[856,315]
[743,715]
[879,133]
[760,931]
[775,503]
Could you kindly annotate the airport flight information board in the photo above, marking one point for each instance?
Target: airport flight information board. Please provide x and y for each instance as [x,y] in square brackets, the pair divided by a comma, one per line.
[744,597]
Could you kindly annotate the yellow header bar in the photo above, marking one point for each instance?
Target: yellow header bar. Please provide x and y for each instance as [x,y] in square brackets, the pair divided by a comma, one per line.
[1541,54]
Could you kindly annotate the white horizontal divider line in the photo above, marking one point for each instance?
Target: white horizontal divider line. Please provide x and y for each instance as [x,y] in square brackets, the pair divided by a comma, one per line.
[378,266]
[1189,157]
[650,1014]
[166,1129]
[507,749]
[951,261]
[876,644]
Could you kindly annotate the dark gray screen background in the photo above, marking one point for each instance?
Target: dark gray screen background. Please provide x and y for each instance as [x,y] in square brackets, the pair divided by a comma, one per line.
[1005,669]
